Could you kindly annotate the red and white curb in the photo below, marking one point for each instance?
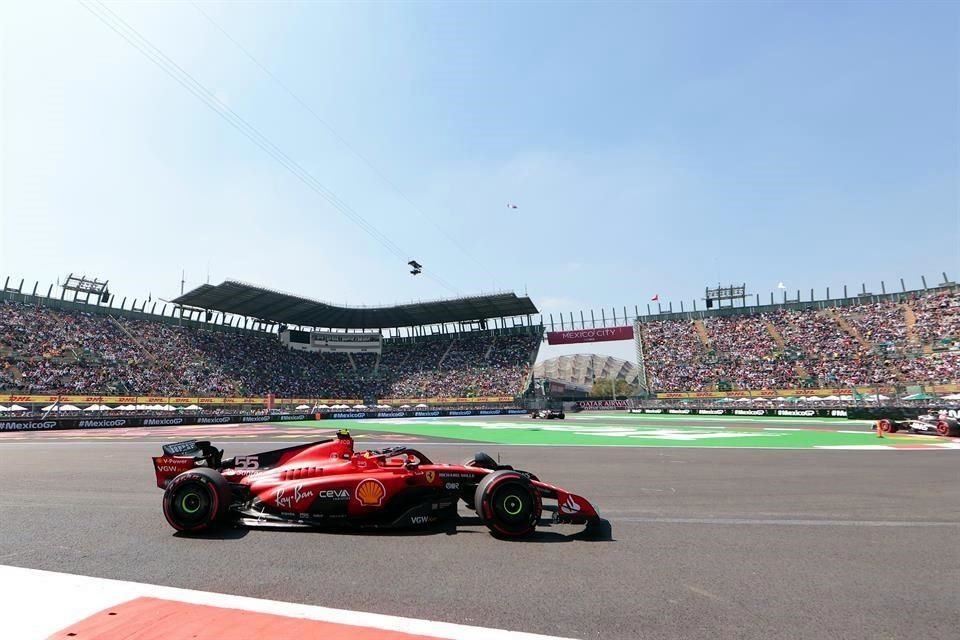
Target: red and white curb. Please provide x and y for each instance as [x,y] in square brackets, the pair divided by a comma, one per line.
[906,446]
[48,605]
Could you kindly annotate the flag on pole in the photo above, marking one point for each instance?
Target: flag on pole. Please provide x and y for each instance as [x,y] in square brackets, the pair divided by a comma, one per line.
[780,286]
[655,297]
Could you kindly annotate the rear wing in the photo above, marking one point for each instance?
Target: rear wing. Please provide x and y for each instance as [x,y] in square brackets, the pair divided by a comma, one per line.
[182,448]
[182,456]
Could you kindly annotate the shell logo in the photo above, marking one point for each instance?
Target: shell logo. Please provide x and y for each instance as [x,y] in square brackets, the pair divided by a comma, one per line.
[370,493]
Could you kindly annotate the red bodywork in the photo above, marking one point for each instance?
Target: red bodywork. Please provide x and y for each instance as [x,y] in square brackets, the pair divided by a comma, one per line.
[329,480]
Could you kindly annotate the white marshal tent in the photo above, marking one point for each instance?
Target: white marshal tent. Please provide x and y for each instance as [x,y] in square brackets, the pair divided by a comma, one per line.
[61,407]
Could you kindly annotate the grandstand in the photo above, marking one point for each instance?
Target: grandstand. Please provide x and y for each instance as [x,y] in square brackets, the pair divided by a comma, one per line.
[224,341]
[457,349]
[899,340]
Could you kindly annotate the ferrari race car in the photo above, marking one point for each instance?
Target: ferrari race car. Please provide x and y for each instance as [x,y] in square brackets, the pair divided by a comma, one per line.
[548,414]
[939,425]
[327,483]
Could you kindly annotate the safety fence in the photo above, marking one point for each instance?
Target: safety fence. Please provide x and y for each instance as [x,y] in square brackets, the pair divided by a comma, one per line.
[109,422]
[783,413]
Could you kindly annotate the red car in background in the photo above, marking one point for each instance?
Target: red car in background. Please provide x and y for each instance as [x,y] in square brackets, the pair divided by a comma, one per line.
[327,483]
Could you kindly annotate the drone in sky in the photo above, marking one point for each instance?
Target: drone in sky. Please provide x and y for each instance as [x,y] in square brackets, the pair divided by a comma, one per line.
[417,267]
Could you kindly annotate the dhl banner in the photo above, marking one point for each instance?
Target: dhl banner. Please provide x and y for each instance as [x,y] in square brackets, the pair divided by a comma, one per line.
[788,393]
[415,401]
[201,401]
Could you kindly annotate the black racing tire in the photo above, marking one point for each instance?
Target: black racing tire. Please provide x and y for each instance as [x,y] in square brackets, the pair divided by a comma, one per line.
[508,504]
[887,426]
[948,428]
[196,500]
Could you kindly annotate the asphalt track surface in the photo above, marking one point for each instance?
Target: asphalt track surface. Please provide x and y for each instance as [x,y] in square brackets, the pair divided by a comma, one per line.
[707,543]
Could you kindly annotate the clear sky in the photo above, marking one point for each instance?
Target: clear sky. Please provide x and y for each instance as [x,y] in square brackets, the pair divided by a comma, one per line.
[650,148]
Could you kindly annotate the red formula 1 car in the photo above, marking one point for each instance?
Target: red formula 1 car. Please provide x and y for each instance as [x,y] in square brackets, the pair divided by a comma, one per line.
[326,483]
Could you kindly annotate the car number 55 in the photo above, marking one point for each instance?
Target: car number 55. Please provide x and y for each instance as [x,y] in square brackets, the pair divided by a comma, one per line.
[247,462]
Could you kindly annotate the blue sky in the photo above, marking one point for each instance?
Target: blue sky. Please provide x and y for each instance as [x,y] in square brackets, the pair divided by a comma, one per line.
[651,148]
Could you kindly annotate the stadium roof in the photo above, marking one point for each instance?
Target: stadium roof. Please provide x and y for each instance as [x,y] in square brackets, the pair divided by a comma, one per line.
[256,302]
[582,368]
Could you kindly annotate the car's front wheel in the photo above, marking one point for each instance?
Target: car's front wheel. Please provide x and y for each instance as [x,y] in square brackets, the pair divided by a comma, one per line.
[508,504]
[948,428]
[196,500]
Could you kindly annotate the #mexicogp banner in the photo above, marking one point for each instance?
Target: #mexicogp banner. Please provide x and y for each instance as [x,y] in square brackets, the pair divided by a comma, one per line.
[590,335]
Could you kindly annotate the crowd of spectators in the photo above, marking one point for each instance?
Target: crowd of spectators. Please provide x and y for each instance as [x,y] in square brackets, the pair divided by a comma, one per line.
[469,366]
[49,350]
[75,352]
[673,355]
[938,317]
[881,324]
[860,345]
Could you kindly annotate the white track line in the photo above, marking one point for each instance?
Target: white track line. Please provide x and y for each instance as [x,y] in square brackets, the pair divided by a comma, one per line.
[38,603]
[809,522]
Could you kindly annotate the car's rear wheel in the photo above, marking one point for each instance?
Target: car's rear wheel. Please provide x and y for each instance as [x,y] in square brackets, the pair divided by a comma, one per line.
[196,500]
[887,426]
[508,504]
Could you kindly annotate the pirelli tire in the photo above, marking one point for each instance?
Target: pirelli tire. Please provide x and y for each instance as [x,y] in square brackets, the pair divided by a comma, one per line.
[508,504]
[196,500]
[887,426]
[948,428]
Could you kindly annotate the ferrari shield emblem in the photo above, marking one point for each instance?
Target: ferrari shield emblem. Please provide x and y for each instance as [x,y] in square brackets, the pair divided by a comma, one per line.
[430,476]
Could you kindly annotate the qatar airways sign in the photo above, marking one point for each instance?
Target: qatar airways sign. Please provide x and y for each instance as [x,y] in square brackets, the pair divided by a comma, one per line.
[590,335]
